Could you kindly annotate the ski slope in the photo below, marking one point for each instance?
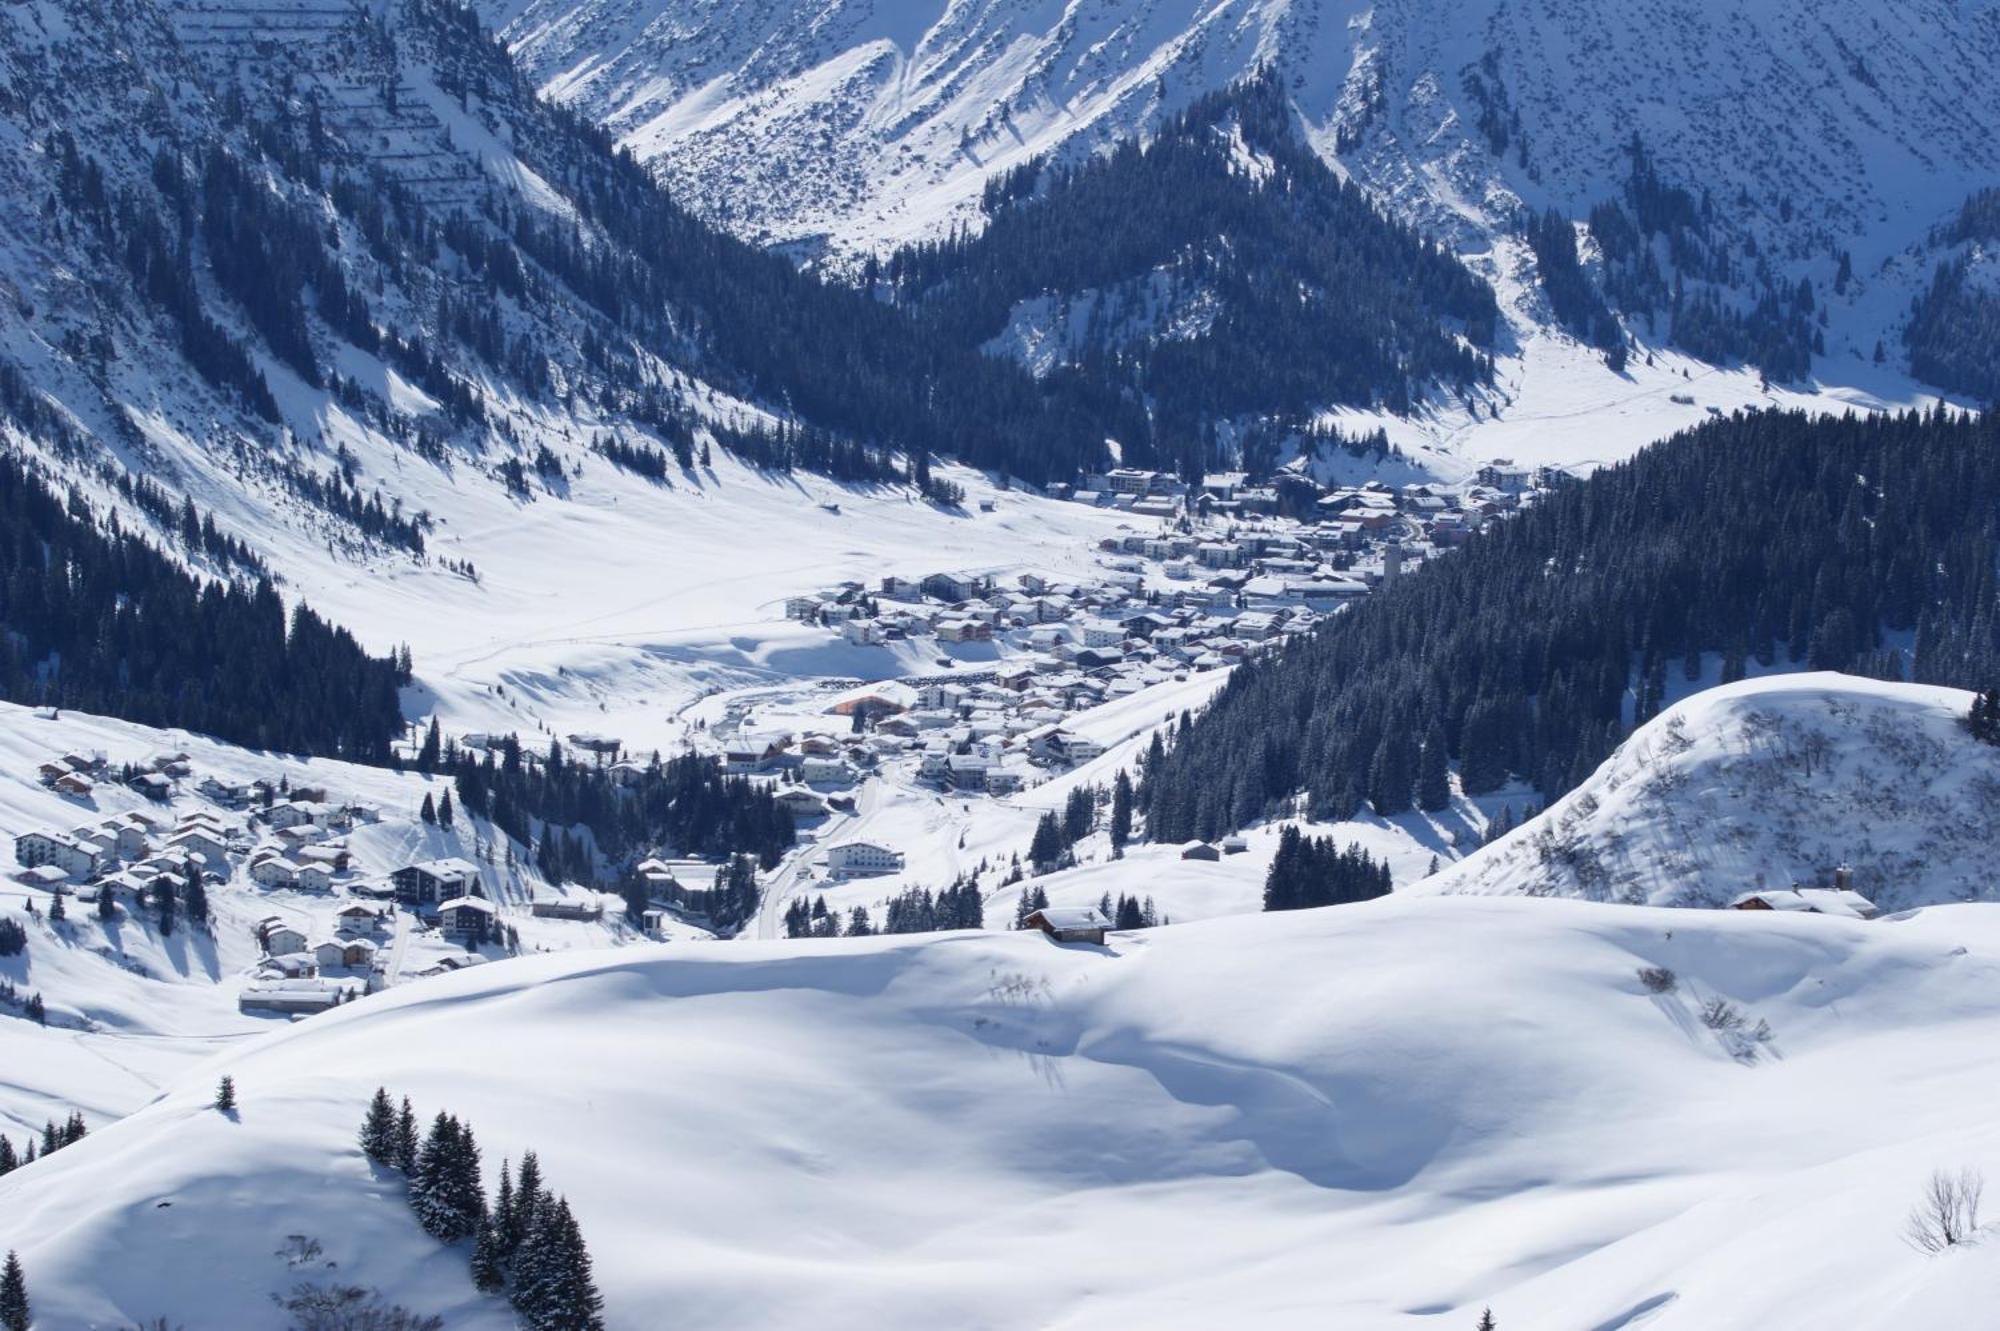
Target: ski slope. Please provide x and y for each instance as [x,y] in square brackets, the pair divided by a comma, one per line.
[1378,1116]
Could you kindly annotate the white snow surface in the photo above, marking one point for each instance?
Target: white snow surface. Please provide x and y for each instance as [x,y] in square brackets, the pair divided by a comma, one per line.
[1768,783]
[1386,1115]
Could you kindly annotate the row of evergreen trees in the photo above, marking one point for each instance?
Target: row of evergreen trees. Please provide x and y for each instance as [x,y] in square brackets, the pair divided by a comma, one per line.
[1125,913]
[1053,845]
[915,910]
[686,803]
[32,1007]
[1311,871]
[54,1137]
[94,617]
[526,1243]
[1777,538]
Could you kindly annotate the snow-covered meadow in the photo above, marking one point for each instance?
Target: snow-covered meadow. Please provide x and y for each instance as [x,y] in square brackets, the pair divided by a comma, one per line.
[1388,1115]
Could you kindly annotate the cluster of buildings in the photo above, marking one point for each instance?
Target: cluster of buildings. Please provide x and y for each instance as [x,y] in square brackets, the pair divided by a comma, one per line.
[130,854]
[1437,514]
[275,837]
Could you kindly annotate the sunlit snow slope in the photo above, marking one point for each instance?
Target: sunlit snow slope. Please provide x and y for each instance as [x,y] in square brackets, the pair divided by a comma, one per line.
[1373,1116]
[1769,783]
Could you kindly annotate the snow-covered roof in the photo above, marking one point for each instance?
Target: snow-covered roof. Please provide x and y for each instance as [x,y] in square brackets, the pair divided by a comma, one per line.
[448,867]
[1073,917]
[1838,901]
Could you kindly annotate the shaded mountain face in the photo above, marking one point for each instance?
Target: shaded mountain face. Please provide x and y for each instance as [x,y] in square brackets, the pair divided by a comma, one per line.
[1777,145]
[1218,272]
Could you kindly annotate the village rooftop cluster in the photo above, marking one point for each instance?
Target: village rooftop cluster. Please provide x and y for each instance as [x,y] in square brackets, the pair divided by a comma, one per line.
[289,845]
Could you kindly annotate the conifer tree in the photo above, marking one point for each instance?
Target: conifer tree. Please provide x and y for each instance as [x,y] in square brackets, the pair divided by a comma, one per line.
[196,898]
[1046,849]
[444,813]
[529,1202]
[428,810]
[407,1142]
[225,1094]
[164,902]
[445,1192]
[15,1314]
[1433,772]
[9,1162]
[1121,814]
[378,1129]
[107,905]
[57,912]
[1486,1322]
[554,1288]
[489,1267]
[505,1232]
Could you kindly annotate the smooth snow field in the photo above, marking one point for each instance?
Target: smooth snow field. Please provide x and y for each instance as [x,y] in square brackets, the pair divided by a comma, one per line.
[1387,1115]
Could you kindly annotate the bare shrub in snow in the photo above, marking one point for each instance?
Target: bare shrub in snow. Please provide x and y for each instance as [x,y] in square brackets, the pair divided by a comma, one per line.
[1719,1014]
[351,1308]
[1948,1212]
[1658,979]
[1017,987]
[300,1250]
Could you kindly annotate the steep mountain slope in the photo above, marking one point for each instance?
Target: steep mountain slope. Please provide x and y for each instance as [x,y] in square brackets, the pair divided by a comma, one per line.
[1801,134]
[1219,273]
[1858,544]
[1769,783]
[306,244]
[745,1143]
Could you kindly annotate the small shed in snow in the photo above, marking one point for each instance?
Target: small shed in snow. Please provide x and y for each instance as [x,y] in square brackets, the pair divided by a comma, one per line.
[1841,901]
[1070,924]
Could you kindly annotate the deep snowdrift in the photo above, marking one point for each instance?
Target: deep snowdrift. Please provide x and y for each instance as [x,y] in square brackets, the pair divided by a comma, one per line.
[1767,783]
[1382,1115]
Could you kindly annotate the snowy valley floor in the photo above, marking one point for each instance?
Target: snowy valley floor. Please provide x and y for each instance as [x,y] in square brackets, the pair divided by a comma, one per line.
[1385,1115]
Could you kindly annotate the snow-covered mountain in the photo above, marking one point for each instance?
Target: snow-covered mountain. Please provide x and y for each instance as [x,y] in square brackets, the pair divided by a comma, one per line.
[852,127]
[868,123]
[1379,1116]
[1770,783]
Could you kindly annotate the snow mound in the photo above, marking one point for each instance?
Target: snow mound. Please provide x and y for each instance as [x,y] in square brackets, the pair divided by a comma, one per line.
[1385,1115]
[1767,783]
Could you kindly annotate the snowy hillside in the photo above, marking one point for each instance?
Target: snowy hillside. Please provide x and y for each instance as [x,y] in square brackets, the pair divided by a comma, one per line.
[1770,782]
[130,1005]
[889,1134]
